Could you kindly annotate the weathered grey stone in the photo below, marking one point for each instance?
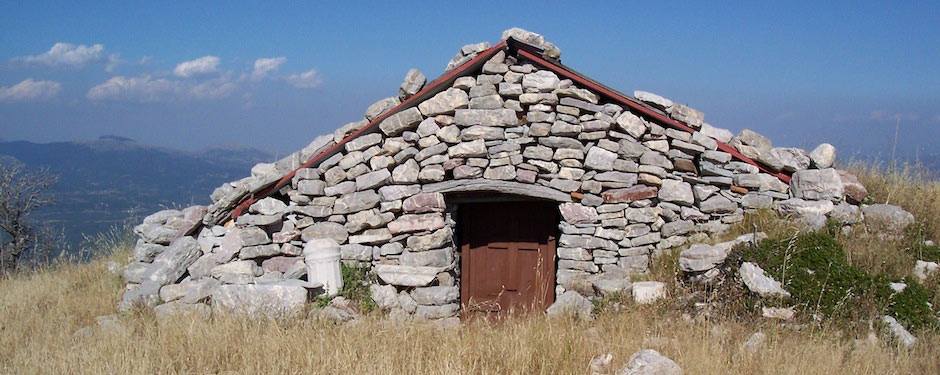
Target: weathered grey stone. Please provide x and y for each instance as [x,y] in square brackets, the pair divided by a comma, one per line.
[237,272]
[900,334]
[471,149]
[755,139]
[793,159]
[436,312]
[445,102]
[575,213]
[357,252]
[571,303]
[325,229]
[600,159]
[416,223]
[384,296]
[156,233]
[823,156]
[506,172]
[414,81]
[406,275]
[701,257]
[817,184]
[678,192]
[486,117]
[354,202]
[886,219]
[655,159]
[259,251]
[561,142]
[423,203]
[718,205]
[401,121]
[650,362]
[542,81]
[486,133]
[435,295]
[646,292]
[372,179]
[380,107]
[758,282]
[721,135]
[269,300]
[653,99]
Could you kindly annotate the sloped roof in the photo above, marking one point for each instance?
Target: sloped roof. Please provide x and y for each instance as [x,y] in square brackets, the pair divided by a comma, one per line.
[518,49]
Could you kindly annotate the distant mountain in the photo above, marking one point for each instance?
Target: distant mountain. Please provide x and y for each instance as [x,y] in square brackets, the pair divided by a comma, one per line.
[111,180]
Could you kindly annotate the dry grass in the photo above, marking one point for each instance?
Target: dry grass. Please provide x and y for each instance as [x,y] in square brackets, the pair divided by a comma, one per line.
[39,313]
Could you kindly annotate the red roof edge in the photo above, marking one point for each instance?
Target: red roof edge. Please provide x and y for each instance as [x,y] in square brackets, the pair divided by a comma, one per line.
[563,71]
[520,49]
[429,90]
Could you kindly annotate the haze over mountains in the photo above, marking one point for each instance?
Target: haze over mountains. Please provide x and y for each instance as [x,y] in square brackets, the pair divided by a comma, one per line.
[115,180]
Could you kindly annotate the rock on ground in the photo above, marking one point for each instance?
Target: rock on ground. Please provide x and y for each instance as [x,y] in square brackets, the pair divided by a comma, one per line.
[571,303]
[758,282]
[645,292]
[650,362]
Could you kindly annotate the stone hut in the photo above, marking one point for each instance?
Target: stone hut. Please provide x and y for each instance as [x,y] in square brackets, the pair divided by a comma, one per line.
[505,183]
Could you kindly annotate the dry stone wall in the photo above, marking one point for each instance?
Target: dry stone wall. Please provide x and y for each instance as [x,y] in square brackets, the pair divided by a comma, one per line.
[627,189]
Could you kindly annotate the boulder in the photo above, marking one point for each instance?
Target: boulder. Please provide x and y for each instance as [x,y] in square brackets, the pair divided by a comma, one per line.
[758,282]
[817,184]
[900,334]
[414,81]
[650,362]
[702,257]
[923,269]
[886,219]
[823,156]
[576,213]
[571,303]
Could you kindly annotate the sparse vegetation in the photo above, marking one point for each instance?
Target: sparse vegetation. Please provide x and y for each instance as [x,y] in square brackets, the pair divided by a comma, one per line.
[40,313]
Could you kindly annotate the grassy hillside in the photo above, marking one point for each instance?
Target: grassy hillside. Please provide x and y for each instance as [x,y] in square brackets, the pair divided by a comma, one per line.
[40,313]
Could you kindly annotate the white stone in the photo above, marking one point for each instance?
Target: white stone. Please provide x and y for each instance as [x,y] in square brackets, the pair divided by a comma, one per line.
[758,282]
[645,292]
[650,362]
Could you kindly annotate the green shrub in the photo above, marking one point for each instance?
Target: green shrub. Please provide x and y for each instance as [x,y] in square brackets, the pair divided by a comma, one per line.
[356,282]
[814,269]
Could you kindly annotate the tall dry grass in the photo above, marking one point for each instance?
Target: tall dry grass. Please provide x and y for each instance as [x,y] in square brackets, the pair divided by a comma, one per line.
[40,313]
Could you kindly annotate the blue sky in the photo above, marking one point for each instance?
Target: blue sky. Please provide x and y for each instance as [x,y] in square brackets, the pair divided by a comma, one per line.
[274,75]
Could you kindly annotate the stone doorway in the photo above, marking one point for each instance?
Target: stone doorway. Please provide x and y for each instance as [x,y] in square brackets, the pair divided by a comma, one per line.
[507,256]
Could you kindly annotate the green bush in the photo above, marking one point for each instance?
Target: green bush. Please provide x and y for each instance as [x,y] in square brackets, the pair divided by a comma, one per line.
[814,269]
[356,282]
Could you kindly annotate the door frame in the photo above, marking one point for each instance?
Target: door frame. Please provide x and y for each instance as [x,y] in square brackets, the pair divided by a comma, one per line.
[548,279]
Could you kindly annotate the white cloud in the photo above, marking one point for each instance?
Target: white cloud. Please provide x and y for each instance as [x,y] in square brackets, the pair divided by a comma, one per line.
[146,89]
[140,89]
[66,54]
[213,89]
[263,66]
[200,66]
[305,80]
[30,90]
[114,60]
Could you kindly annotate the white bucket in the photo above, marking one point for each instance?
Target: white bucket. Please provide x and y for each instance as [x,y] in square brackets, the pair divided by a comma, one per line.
[322,257]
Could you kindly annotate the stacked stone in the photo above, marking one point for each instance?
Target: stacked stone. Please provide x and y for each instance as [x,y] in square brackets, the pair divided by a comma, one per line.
[628,189]
[155,235]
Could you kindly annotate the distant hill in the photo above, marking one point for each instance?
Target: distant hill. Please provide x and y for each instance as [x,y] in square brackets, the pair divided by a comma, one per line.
[111,180]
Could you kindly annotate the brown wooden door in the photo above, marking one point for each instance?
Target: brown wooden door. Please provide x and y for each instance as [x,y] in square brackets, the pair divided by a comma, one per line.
[507,256]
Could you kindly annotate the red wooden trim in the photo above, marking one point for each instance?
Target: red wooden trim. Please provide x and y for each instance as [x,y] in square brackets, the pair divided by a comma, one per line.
[639,107]
[429,90]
